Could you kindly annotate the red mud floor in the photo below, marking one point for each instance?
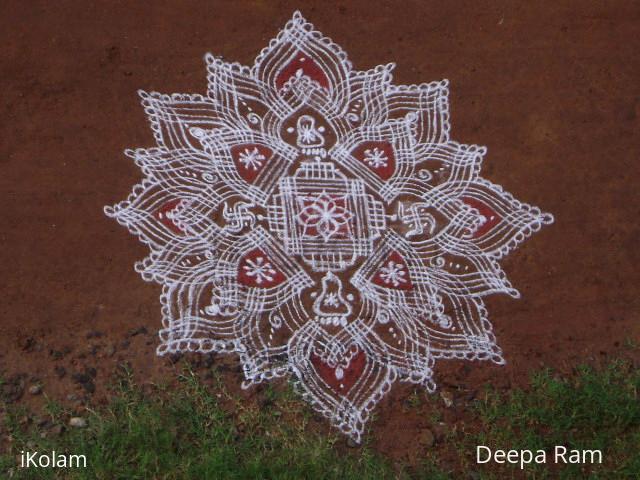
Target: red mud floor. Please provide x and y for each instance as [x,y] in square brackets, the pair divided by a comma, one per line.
[551,88]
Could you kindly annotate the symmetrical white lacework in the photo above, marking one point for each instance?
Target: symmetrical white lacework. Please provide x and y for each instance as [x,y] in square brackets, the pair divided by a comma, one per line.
[318,221]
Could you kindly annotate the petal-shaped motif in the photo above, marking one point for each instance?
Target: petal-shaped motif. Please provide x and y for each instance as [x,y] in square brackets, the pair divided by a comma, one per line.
[430,103]
[200,314]
[173,116]
[459,267]
[394,139]
[505,221]
[395,338]
[265,339]
[343,376]
[235,94]
[319,221]
[176,260]
[282,63]
[445,172]
[140,213]
[344,388]
[368,100]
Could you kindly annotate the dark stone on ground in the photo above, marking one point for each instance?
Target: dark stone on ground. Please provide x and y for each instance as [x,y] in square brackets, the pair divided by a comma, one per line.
[351,443]
[13,388]
[81,378]
[94,334]
[138,331]
[90,387]
[426,438]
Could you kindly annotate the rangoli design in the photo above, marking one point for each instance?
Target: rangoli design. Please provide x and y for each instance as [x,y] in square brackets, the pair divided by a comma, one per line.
[319,221]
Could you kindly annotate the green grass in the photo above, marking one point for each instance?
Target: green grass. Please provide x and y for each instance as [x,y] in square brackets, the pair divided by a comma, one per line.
[193,432]
[592,410]
[186,434]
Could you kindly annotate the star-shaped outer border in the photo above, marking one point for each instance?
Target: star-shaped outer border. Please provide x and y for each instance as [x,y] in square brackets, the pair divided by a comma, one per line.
[193,174]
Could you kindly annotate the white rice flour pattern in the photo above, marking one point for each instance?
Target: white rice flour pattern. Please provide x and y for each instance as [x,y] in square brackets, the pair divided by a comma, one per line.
[319,222]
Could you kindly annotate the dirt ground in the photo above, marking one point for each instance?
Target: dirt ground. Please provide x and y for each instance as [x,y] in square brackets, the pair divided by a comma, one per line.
[551,88]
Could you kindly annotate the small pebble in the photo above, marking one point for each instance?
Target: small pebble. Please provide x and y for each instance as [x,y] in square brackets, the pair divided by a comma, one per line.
[351,443]
[426,438]
[94,334]
[57,354]
[447,398]
[90,387]
[142,330]
[77,422]
[35,389]
[81,377]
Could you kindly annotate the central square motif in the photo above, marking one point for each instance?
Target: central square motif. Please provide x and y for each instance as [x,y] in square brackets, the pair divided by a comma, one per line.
[325,217]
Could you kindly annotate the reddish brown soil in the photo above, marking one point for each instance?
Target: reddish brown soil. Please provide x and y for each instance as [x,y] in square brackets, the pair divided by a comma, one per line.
[551,88]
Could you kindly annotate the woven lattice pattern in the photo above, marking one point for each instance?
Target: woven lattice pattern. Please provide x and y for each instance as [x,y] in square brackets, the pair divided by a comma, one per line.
[319,222]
